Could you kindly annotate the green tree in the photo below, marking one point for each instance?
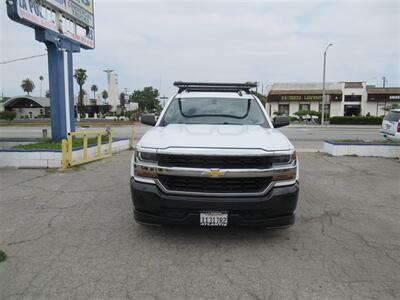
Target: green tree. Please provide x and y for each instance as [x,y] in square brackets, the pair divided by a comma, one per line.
[94,89]
[260,96]
[27,85]
[146,99]
[80,77]
[104,95]
[122,99]
[8,115]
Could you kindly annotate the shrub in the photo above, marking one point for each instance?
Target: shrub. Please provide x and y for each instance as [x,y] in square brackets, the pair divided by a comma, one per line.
[356,120]
[308,112]
[292,119]
[8,115]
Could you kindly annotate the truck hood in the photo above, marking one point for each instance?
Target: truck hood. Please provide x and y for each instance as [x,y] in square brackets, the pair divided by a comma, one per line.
[215,136]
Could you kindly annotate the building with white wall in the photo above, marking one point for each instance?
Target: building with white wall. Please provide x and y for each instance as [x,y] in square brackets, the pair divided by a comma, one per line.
[28,106]
[342,98]
[113,96]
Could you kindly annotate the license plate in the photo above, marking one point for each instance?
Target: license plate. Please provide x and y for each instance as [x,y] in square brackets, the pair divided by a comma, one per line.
[214,219]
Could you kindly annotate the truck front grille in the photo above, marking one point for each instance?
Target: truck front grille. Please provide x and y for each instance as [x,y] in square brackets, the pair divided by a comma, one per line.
[214,185]
[216,161]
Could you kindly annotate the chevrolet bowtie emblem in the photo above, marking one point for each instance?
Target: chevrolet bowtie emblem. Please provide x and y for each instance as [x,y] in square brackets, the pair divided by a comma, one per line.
[214,173]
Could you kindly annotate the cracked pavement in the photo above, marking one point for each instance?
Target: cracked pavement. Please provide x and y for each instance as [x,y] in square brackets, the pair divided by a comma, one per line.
[71,235]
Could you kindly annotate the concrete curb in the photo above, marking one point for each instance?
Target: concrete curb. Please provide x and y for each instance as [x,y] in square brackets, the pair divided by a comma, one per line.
[43,159]
[373,150]
[336,126]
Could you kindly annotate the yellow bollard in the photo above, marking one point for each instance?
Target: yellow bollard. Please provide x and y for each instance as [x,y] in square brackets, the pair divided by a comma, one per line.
[99,145]
[109,143]
[69,152]
[64,147]
[85,147]
[132,139]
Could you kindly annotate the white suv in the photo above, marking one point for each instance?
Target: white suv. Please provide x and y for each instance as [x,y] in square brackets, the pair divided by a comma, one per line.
[214,159]
[391,125]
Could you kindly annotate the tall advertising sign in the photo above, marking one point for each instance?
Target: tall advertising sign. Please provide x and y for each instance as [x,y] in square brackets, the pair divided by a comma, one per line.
[65,26]
[71,18]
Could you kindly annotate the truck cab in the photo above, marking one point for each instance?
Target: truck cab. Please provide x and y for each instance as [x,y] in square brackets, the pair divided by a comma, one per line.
[214,158]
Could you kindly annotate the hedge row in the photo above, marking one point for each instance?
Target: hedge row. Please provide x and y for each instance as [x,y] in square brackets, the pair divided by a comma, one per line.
[308,112]
[356,120]
[8,115]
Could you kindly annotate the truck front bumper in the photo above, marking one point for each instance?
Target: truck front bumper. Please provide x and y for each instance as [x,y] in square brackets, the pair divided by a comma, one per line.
[275,209]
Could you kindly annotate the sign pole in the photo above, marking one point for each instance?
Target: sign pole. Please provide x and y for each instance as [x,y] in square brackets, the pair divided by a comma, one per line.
[61,82]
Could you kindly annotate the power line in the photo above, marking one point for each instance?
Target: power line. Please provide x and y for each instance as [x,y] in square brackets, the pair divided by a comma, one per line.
[22,58]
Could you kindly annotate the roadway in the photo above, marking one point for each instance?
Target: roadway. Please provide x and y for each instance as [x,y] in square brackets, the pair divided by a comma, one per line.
[305,138]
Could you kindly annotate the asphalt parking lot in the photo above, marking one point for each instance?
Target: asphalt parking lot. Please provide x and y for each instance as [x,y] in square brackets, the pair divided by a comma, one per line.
[72,236]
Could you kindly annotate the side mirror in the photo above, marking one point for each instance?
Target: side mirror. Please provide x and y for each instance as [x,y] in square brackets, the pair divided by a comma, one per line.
[149,119]
[280,121]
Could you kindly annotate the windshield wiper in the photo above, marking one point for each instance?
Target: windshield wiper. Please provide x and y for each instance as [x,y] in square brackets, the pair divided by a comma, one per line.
[230,123]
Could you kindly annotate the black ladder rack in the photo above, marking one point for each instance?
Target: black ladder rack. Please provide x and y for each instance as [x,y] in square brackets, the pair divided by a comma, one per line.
[214,86]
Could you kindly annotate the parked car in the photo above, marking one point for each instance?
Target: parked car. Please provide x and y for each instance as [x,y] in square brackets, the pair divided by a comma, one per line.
[214,158]
[114,118]
[391,125]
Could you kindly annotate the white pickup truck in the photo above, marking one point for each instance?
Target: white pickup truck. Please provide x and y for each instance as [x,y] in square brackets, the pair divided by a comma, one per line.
[214,158]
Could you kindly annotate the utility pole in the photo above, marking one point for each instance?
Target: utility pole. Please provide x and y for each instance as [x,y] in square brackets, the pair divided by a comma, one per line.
[323,88]
[163,98]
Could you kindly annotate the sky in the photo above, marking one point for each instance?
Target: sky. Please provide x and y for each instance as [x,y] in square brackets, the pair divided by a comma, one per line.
[154,43]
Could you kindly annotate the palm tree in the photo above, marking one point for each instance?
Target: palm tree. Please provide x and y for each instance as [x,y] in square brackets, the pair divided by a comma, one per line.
[94,89]
[80,76]
[104,95]
[41,78]
[27,85]
[122,100]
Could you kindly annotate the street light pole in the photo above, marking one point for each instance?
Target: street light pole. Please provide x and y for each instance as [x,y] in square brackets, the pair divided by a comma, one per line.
[323,88]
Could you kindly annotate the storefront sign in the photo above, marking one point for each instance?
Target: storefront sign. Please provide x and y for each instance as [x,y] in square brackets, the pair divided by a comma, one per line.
[305,98]
[383,97]
[71,18]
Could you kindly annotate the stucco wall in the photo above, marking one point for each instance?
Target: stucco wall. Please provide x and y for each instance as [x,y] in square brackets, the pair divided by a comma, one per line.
[293,107]
[314,105]
[336,109]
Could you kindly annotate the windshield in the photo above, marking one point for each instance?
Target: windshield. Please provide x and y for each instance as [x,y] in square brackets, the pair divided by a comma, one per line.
[393,116]
[214,111]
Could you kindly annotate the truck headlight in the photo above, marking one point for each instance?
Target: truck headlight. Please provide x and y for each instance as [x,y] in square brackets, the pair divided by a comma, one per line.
[284,159]
[146,156]
[145,164]
[145,171]
[284,174]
